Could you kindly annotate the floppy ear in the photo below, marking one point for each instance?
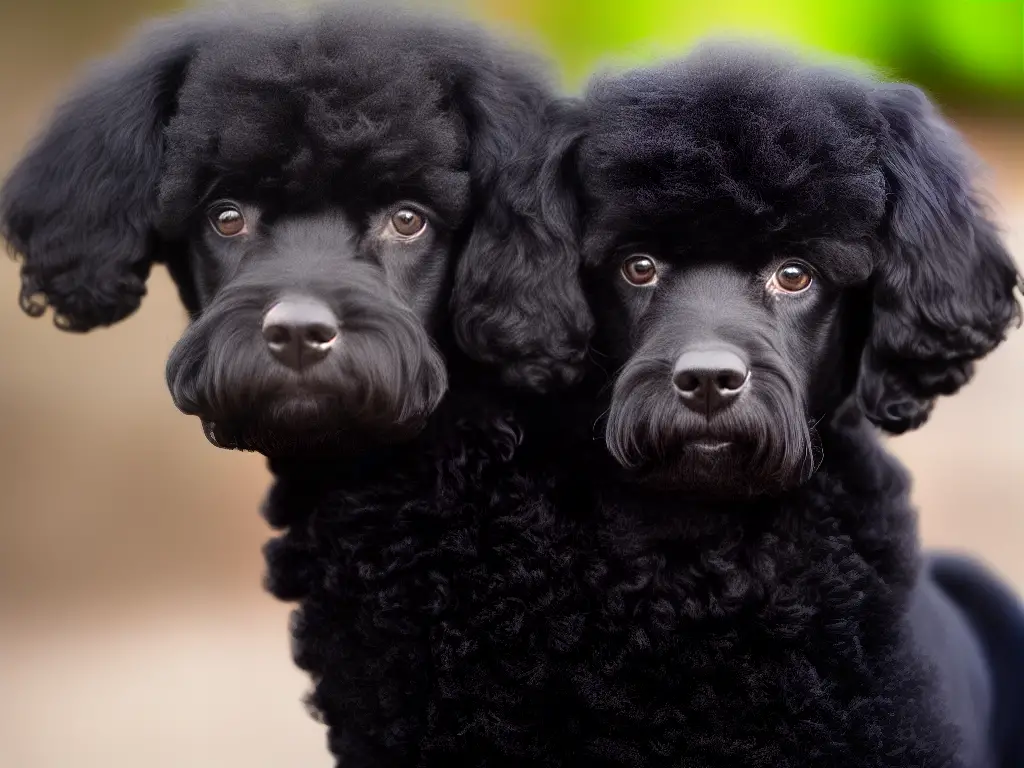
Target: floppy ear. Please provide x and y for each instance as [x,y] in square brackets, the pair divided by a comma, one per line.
[944,284]
[517,301]
[79,207]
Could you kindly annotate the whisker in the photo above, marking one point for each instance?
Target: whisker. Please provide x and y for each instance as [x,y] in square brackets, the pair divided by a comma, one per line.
[592,355]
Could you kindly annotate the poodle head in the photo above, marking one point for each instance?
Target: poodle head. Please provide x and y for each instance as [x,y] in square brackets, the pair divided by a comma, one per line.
[346,201]
[766,242]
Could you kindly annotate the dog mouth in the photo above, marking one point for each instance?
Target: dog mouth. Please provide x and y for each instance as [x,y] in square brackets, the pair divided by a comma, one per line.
[291,420]
[715,468]
[702,459]
[709,458]
[712,466]
[707,468]
[709,445]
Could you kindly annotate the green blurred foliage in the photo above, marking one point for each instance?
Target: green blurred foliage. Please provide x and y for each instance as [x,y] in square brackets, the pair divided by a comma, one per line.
[962,50]
[969,52]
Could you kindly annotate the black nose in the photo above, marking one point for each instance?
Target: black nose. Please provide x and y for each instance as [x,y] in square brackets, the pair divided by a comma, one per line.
[300,332]
[708,380]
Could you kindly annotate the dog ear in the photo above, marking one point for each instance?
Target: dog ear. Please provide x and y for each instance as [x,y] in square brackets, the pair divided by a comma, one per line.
[943,286]
[517,301]
[79,207]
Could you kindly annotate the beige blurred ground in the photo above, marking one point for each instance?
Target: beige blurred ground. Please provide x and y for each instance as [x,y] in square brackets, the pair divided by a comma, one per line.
[132,623]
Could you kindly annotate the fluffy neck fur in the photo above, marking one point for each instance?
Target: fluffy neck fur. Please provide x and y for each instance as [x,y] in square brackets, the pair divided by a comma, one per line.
[487,594]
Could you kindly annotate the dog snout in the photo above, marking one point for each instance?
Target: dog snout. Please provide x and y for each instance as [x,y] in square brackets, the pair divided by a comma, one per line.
[300,331]
[708,380]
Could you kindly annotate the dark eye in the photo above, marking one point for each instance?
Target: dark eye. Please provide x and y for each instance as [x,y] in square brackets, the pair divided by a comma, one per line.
[640,270]
[791,278]
[227,219]
[408,223]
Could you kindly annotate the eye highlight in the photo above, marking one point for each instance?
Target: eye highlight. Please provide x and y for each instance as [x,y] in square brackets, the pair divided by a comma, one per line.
[227,219]
[792,277]
[408,223]
[640,270]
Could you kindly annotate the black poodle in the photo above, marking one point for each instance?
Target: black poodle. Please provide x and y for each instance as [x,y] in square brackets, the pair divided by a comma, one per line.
[356,209]
[331,163]
[781,256]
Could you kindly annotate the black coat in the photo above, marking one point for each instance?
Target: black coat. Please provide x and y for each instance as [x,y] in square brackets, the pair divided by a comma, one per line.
[493,594]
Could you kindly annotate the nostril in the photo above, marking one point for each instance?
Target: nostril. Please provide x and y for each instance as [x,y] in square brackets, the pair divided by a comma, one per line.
[319,334]
[277,335]
[730,380]
[687,382]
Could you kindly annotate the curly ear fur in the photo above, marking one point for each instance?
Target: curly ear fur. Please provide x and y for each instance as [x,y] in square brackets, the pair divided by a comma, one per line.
[944,284]
[80,206]
[517,301]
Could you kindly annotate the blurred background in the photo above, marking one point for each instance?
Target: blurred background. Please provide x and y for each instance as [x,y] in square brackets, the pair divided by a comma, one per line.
[133,626]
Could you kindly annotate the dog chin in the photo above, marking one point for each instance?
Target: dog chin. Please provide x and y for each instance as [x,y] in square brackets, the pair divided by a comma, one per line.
[717,469]
[307,425]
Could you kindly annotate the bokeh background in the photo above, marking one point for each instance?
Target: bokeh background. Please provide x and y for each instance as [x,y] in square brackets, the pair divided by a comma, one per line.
[133,627]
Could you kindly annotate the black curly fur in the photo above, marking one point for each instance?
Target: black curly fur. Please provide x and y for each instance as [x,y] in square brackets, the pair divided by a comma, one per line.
[78,208]
[459,604]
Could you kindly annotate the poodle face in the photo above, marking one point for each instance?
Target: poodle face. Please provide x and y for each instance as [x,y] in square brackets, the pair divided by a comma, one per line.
[319,266]
[313,319]
[766,242]
[726,366]
[348,202]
